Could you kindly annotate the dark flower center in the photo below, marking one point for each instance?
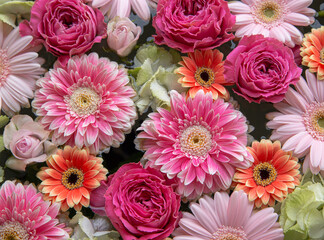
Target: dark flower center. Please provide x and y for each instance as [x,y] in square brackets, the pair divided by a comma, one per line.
[72,178]
[264,174]
[204,76]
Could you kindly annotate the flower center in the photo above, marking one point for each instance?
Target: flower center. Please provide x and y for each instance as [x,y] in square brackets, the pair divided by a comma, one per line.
[322,55]
[205,76]
[72,178]
[84,101]
[314,120]
[4,66]
[229,233]
[268,13]
[264,174]
[13,231]
[196,140]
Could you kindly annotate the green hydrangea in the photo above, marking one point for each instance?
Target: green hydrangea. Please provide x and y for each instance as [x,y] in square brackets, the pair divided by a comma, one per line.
[154,77]
[12,11]
[302,212]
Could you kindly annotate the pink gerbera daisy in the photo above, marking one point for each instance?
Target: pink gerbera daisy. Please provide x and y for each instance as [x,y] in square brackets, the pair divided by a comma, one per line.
[20,67]
[86,103]
[122,8]
[25,215]
[272,18]
[199,142]
[227,217]
[299,124]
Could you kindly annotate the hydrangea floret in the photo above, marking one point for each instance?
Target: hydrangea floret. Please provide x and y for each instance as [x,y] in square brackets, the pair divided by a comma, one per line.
[154,76]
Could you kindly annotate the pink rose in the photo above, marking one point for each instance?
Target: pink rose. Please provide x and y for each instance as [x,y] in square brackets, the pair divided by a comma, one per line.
[187,25]
[122,35]
[65,27]
[139,203]
[27,140]
[262,69]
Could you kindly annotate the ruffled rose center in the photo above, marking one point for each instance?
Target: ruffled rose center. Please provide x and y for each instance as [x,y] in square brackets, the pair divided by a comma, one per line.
[4,66]
[314,120]
[229,233]
[13,231]
[205,76]
[191,7]
[268,13]
[196,140]
[72,178]
[264,174]
[84,101]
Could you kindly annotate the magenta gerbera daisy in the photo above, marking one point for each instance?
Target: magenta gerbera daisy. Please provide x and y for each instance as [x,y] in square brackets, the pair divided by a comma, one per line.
[25,215]
[20,67]
[86,103]
[272,18]
[199,142]
[227,217]
[299,124]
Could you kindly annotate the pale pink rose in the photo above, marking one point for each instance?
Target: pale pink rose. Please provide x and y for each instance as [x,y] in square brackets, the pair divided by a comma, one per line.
[122,35]
[27,140]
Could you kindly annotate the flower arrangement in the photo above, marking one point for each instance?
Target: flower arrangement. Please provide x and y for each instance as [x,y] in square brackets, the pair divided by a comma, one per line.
[161,119]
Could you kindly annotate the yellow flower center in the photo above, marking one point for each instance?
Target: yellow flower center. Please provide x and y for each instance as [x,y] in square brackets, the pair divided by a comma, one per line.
[264,174]
[322,55]
[72,178]
[13,231]
[4,66]
[314,120]
[268,12]
[229,233]
[204,76]
[196,140]
[84,101]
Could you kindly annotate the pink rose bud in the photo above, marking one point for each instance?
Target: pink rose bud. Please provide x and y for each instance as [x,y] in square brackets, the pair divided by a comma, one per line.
[28,142]
[122,35]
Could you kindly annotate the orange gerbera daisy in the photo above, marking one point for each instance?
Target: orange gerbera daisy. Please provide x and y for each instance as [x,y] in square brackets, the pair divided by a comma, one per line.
[312,51]
[71,175]
[273,175]
[204,70]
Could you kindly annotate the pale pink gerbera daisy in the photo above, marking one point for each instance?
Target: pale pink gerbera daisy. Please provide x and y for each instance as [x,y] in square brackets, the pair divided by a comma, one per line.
[272,18]
[122,8]
[86,103]
[199,143]
[20,67]
[299,124]
[227,217]
[25,215]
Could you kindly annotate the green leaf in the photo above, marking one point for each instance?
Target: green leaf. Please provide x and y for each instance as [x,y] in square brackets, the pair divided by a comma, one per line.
[3,120]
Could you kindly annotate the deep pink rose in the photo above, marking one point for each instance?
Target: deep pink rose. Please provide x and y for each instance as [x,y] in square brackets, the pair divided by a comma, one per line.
[139,203]
[65,27]
[262,69]
[187,25]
